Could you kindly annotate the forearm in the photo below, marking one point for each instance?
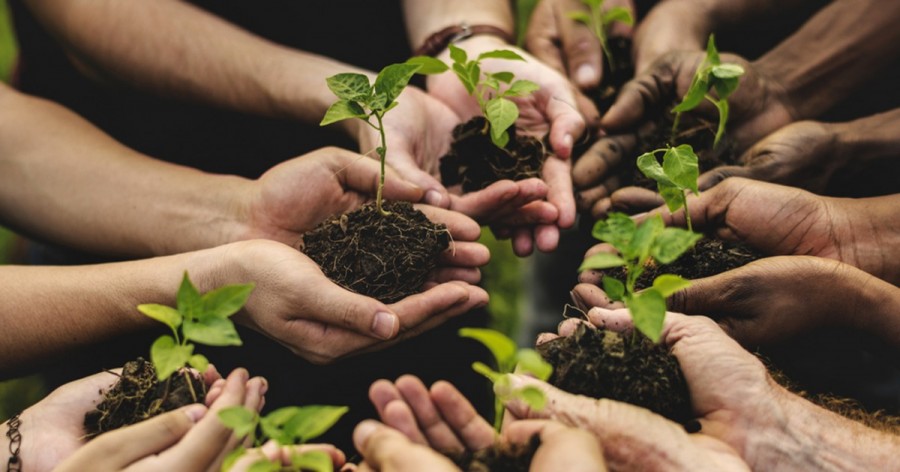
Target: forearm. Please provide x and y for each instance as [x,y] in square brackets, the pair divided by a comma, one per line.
[424,18]
[175,49]
[870,138]
[812,438]
[63,180]
[834,53]
[858,301]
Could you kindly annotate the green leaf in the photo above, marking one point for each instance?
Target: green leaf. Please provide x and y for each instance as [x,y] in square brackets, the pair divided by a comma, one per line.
[672,243]
[727,71]
[168,357]
[680,164]
[265,465]
[620,14]
[212,332]
[474,71]
[316,461]
[673,195]
[722,105]
[342,110]
[350,86]
[226,301]
[199,362]
[164,314]
[491,82]
[500,54]
[309,422]
[458,55]
[502,348]
[725,87]
[502,114]
[239,419]
[580,16]
[272,425]
[520,88]
[667,284]
[617,229]
[189,301]
[648,310]
[463,74]
[486,371]
[232,457]
[530,362]
[614,289]
[693,97]
[505,77]
[393,79]
[603,260]
[712,54]
[651,167]
[639,247]
[428,65]
[533,397]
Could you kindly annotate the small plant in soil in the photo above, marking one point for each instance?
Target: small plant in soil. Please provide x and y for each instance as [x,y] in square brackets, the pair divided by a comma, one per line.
[712,74]
[677,175]
[488,148]
[600,21]
[287,426]
[382,250]
[146,389]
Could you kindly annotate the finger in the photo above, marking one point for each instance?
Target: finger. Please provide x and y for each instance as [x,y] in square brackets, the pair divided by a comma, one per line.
[587,296]
[499,199]
[431,423]
[214,391]
[546,237]
[633,200]
[254,390]
[568,327]
[461,227]
[450,274]
[570,449]
[558,175]
[580,47]
[354,171]
[339,307]
[400,416]
[522,241]
[713,177]
[601,209]
[589,198]
[464,420]
[566,122]
[543,338]
[435,194]
[598,162]
[465,254]
[386,449]
[533,213]
[639,95]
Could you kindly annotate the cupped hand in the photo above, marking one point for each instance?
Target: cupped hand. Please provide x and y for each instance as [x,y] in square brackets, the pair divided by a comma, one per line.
[562,447]
[673,25]
[190,438]
[272,452]
[568,46]
[388,450]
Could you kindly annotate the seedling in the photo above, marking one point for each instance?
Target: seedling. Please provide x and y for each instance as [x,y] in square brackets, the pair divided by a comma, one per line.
[638,245]
[287,426]
[500,112]
[202,319]
[508,355]
[360,99]
[599,22]
[677,174]
[712,74]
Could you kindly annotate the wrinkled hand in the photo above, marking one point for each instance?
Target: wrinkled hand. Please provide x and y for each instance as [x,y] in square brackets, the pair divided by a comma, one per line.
[295,304]
[568,46]
[190,438]
[672,25]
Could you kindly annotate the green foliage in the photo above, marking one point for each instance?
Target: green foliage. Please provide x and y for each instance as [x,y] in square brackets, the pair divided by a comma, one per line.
[492,90]
[8,46]
[712,74]
[524,9]
[677,174]
[202,319]
[358,98]
[508,356]
[287,426]
[599,22]
[638,246]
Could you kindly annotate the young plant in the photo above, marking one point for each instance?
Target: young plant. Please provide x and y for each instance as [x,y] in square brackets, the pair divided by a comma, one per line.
[202,319]
[599,22]
[712,74]
[357,98]
[491,90]
[638,245]
[677,174]
[508,355]
[287,426]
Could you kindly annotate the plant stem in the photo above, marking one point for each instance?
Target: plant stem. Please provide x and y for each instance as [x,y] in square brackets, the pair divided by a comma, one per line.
[675,128]
[687,215]
[187,377]
[498,415]
[382,154]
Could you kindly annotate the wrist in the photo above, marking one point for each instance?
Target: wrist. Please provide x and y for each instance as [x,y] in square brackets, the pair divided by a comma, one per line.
[870,138]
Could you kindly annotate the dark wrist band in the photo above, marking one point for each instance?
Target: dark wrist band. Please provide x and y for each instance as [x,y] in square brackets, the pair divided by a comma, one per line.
[439,41]
[14,463]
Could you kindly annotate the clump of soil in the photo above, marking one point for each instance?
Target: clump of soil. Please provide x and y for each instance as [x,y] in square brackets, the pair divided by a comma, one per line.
[138,396]
[615,76]
[475,162]
[626,367]
[500,457]
[708,257]
[384,257]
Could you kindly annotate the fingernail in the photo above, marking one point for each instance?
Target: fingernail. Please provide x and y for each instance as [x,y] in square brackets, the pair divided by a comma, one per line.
[384,324]
[363,431]
[568,140]
[263,386]
[433,197]
[586,75]
[195,412]
[242,374]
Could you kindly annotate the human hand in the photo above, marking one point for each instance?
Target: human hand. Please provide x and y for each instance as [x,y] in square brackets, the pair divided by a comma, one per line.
[561,448]
[271,451]
[569,46]
[632,438]
[190,438]
[672,25]
[295,304]
[388,450]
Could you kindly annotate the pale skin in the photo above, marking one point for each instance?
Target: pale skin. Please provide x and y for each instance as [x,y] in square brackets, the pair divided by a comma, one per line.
[741,407]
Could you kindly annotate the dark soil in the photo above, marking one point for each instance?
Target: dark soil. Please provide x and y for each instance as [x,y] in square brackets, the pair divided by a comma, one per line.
[708,257]
[615,76]
[498,458]
[475,162]
[138,395]
[384,257]
[625,367]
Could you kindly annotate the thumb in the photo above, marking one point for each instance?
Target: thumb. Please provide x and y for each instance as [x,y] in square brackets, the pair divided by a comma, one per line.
[337,306]
[714,177]
[637,96]
[704,296]
[127,445]
[435,193]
